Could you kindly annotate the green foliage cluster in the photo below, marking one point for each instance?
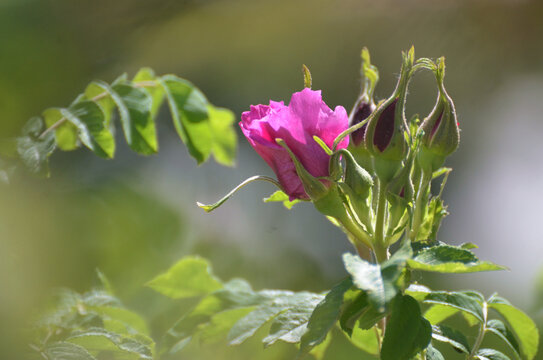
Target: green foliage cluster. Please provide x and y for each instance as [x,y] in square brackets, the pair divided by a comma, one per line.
[96,326]
[89,120]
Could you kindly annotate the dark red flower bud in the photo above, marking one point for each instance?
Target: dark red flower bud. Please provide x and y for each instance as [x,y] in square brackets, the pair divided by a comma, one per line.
[363,111]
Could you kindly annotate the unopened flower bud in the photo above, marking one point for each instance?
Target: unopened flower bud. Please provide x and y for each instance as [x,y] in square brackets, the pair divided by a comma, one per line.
[363,111]
[441,134]
[385,138]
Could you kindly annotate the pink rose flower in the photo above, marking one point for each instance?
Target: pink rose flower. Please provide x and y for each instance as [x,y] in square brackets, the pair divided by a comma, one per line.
[306,116]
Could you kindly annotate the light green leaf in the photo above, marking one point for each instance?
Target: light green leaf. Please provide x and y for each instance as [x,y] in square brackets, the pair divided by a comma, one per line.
[407,332]
[490,354]
[365,340]
[189,109]
[438,313]
[126,317]
[449,259]
[220,324]
[189,277]
[325,316]
[498,328]
[291,324]
[249,325]
[520,324]
[451,336]
[280,196]
[65,133]
[97,341]
[89,119]
[66,351]
[225,138]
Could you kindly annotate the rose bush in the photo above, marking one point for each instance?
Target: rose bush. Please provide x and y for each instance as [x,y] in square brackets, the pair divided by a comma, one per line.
[307,115]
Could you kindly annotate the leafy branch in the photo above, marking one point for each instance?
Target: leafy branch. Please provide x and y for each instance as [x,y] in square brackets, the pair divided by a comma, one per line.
[89,120]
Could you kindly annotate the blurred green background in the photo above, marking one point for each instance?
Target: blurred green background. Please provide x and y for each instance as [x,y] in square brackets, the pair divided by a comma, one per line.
[132,217]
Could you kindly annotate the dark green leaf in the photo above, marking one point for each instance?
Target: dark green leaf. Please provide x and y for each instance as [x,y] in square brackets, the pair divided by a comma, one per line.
[520,324]
[146,75]
[358,311]
[450,259]
[407,332]
[451,336]
[463,301]
[498,327]
[135,106]
[248,325]
[325,316]
[66,351]
[189,277]
[189,109]
[89,119]
[490,354]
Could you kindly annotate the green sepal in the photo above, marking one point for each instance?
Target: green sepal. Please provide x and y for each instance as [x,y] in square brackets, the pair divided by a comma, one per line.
[312,186]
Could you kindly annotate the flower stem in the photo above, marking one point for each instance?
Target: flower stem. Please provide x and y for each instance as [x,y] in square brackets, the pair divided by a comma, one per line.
[420,204]
[379,247]
[480,335]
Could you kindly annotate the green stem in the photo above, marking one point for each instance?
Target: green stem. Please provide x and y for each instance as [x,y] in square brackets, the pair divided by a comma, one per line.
[480,335]
[379,247]
[420,204]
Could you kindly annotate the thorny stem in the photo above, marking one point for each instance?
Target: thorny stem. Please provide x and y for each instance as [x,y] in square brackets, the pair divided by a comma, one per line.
[139,84]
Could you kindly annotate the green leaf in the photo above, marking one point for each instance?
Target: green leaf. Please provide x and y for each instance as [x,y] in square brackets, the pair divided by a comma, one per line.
[520,324]
[449,259]
[97,91]
[432,220]
[89,119]
[280,196]
[249,325]
[35,150]
[490,354]
[66,351]
[407,332]
[379,281]
[291,324]
[451,336]
[225,138]
[498,328]
[433,354]
[189,277]
[365,340]
[324,316]
[464,301]
[358,311]
[65,133]
[157,92]
[438,313]
[97,341]
[124,316]
[220,324]
[189,109]
[135,107]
